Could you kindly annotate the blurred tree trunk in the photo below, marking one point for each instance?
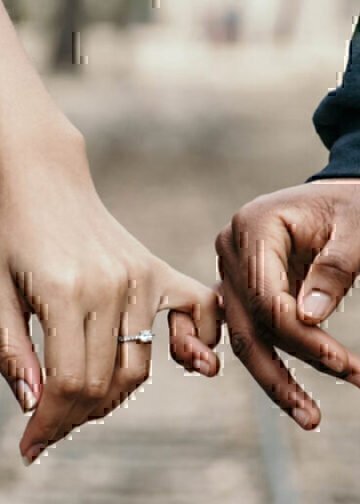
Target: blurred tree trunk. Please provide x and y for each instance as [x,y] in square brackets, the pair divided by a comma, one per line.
[69,23]
[287,21]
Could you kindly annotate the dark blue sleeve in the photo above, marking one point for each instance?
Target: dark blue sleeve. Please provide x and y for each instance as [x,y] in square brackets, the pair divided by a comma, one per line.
[337,121]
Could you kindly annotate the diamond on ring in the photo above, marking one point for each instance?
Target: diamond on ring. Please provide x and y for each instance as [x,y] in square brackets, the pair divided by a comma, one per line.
[143,336]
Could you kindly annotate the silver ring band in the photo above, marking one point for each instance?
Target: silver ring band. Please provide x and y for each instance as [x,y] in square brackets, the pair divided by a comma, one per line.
[143,337]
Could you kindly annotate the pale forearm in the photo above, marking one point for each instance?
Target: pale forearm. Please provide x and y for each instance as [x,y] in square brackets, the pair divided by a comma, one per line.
[26,108]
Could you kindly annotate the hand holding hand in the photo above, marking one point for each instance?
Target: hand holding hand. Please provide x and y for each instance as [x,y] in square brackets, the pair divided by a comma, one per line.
[287,259]
[88,280]
[65,258]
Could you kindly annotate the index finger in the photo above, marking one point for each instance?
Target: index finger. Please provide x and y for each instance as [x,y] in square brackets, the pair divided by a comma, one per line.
[65,370]
[264,364]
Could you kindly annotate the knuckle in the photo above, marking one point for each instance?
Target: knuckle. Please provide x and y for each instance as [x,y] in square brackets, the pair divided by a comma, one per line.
[223,242]
[249,214]
[104,269]
[106,286]
[242,345]
[114,283]
[338,264]
[96,389]
[120,277]
[240,226]
[108,280]
[262,308]
[11,355]
[8,349]
[10,367]
[239,220]
[69,386]
[66,284]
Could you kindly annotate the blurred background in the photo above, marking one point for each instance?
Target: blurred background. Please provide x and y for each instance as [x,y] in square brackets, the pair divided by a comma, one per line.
[190,110]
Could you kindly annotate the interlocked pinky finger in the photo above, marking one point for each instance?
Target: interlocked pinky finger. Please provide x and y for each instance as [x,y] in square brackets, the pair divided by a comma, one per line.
[187,349]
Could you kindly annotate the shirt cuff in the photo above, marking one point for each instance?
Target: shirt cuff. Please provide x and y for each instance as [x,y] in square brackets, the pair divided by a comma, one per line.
[344,159]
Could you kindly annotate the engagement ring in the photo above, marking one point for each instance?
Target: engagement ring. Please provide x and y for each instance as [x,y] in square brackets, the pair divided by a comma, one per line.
[143,336]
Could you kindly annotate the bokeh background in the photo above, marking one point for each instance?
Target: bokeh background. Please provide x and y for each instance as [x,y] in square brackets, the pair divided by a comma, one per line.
[189,111]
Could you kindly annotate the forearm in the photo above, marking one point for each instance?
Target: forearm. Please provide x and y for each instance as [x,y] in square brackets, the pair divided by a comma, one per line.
[25,106]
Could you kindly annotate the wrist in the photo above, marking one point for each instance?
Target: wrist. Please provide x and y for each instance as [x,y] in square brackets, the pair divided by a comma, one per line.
[46,158]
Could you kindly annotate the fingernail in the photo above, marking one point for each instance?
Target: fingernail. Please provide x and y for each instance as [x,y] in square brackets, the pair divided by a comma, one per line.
[26,462]
[317,304]
[25,395]
[301,416]
[33,453]
[202,366]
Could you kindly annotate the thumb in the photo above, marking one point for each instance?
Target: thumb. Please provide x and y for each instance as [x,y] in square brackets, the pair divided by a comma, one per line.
[329,278]
[19,364]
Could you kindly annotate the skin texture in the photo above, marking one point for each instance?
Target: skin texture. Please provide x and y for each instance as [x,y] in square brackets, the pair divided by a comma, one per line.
[67,260]
[277,250]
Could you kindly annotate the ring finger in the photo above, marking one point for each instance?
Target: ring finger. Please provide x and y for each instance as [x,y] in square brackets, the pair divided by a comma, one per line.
[133,360]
